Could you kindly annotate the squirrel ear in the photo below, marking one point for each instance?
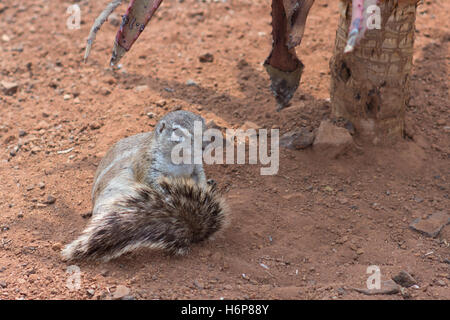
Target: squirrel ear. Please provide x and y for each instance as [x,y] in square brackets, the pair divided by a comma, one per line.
[161,126]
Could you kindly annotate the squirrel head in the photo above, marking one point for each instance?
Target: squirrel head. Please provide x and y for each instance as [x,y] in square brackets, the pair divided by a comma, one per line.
[177,127]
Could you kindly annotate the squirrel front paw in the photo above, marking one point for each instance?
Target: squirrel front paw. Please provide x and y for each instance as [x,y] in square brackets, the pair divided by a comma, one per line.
[212,183]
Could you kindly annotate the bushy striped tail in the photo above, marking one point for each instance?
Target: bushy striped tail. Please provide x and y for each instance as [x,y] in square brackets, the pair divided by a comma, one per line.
[173,219]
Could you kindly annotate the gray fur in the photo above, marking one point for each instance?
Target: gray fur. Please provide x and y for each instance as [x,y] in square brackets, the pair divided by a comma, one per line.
[185,213]
[142,199]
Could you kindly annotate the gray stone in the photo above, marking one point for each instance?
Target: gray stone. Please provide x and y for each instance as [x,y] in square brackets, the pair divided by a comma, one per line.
[95,125]
[432,225]
[191,83]
[331,140]
[161,103]
[9,88]
[297,140]
[404,279]
[121,292]
[50,200]
[207,57]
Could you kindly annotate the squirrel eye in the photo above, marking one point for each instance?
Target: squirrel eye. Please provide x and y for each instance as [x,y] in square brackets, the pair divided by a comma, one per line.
[176,138]
[162,127]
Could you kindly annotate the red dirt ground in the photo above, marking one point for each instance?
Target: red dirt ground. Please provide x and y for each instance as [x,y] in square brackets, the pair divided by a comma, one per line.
[328,220]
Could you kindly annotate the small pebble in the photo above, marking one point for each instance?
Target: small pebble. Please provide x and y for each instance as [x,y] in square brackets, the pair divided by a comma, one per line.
[121,292]
[50,200]
[191,82]
[207,57]
[56,246]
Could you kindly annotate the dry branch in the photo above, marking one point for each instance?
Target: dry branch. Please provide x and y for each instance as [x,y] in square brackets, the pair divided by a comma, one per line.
[98,24]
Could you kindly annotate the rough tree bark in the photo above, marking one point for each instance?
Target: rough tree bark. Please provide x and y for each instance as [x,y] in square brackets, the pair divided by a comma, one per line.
[370,86]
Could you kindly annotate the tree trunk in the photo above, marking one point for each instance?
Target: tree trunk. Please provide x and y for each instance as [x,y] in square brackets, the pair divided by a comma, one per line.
[370,86]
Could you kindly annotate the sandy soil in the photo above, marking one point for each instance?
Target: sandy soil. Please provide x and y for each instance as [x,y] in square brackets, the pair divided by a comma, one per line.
[316,226]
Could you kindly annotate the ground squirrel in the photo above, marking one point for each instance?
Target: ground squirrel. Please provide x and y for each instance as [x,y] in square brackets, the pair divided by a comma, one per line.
[141,199]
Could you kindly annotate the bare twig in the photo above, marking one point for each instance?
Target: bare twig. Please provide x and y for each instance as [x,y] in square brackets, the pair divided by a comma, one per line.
[98,24]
